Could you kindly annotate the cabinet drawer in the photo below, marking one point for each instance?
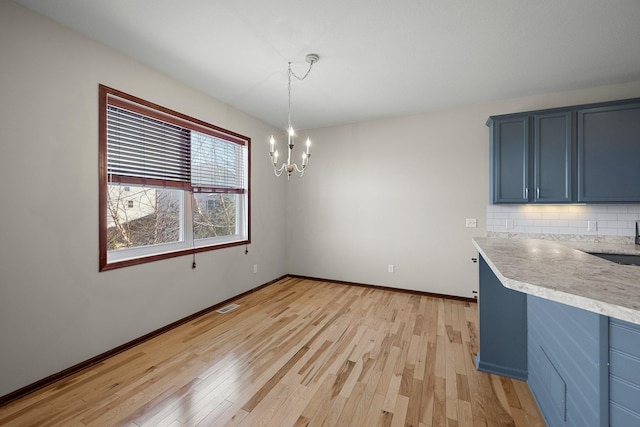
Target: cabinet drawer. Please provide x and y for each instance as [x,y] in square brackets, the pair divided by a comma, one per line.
[624,337]
[624,373]
[625,366]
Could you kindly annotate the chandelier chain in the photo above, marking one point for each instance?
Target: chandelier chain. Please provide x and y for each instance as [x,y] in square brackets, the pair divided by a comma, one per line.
[289,74]
[305,75]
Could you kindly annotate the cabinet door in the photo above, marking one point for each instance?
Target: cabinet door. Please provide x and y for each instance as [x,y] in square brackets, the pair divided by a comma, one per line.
[567,363]
[609,154]
[510,160]
[502,327]
[552,154]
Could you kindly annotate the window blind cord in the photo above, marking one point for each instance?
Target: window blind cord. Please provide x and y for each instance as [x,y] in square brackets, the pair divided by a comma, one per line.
[193,230]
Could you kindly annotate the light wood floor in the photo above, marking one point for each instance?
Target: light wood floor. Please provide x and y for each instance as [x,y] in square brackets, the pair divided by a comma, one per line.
[296,353]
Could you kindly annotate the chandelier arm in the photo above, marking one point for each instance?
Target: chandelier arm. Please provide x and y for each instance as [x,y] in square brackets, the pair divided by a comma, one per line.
[278,170]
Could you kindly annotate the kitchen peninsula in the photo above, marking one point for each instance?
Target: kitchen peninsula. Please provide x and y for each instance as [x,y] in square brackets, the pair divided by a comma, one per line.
[565,321]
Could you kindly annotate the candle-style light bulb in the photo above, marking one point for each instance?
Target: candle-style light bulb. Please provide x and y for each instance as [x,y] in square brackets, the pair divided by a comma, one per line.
[275,157]
[272,143]
[290,137]
[308,145]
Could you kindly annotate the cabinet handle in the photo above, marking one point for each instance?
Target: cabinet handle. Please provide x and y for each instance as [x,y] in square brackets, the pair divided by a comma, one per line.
[538,193]
[526,193]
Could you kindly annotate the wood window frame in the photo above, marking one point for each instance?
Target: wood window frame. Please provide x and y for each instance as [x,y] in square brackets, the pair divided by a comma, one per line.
[106,96]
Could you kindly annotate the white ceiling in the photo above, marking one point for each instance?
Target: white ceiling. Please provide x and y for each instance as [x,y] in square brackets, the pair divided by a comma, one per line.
[378,58]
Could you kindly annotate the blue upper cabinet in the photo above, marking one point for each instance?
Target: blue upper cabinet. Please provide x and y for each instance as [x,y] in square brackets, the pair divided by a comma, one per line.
[510,160]
[541,172]
[609,154]
[580,154]
[553,158]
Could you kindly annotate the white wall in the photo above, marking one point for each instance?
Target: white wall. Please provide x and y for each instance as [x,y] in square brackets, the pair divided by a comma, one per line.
[398,191]
[55,308]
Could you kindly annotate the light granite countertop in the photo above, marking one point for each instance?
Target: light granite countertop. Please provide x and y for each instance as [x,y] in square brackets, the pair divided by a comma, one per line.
[563,272]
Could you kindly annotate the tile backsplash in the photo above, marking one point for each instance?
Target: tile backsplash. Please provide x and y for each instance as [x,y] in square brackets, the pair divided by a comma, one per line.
[579,220]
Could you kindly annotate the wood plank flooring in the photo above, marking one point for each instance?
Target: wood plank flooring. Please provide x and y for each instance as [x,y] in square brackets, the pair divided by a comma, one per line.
[296,353]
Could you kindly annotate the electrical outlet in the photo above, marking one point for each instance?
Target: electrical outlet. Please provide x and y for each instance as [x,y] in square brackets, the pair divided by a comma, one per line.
[592,225]
[255,268]
[391,268]
[471,223]
[509,223]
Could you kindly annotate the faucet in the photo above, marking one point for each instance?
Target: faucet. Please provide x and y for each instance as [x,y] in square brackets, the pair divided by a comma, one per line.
[637,233]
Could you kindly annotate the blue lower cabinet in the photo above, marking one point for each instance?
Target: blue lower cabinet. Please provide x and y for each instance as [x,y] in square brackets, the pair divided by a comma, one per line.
[624,373]
[503,327]
[582,368]
[567,349]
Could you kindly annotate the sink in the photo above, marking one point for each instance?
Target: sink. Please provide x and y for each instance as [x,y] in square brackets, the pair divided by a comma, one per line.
[624,259]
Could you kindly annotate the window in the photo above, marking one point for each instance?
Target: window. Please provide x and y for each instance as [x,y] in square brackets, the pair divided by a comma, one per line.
[170,185]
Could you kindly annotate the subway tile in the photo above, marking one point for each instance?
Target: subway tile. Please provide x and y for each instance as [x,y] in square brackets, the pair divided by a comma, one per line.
[597,208]
[550,215]
[607,216]
[542,223]
[626,232]
[578,224]
[628,217]
[568,230]
[617,208]
[608,231]
[617,224]
[533,230]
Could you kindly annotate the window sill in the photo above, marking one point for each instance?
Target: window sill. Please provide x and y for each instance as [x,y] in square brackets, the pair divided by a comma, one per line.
[113,265]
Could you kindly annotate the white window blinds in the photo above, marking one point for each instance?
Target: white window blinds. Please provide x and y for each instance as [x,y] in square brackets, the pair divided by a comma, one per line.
[145,149]
[217,166]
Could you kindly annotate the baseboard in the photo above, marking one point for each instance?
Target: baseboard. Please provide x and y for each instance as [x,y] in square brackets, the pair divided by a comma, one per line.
[491,368]
[388,288]
[28,389]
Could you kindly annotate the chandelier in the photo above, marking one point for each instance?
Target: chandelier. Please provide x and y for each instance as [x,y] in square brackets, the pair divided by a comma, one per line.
[311,58]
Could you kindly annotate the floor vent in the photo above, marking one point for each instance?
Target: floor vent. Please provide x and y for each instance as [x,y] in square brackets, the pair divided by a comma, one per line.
[227,308]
